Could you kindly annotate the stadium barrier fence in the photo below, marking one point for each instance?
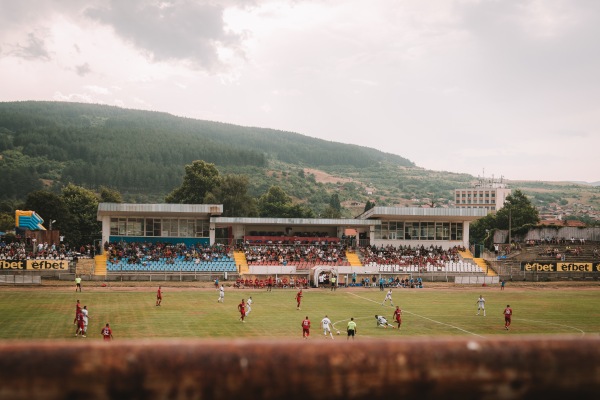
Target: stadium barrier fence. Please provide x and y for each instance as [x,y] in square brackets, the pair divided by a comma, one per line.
[429,368]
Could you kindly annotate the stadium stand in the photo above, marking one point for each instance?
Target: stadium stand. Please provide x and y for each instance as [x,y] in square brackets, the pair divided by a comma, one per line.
[299,253]
[167,257]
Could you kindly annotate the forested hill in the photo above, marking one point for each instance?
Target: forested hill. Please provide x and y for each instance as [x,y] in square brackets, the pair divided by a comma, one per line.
[94,145]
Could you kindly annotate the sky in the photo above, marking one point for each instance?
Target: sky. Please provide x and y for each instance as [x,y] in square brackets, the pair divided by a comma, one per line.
[502,88]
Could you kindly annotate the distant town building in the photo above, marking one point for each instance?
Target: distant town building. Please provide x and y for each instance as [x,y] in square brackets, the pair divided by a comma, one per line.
[489,194]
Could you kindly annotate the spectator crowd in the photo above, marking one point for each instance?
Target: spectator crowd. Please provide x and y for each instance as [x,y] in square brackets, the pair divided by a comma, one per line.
[138,253]
[406,255]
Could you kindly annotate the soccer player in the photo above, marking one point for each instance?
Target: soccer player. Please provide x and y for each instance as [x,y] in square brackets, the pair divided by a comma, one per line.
[481,305]
[80,325]
[508,312]
[326,325]
[398,316]
[249,305]
[158,297]
[77,311]
[270,284]
[221,298]
[78,283]
[242,310]
[305,328]
[106,333]
[388,296]
[84,313]
[382,321]
[298,299]
[351,328]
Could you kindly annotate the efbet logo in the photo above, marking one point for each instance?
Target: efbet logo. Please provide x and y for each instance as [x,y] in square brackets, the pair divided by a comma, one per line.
[5,264]
[560,267]
[37,265]
[47,264]
[574,267]
[540,267]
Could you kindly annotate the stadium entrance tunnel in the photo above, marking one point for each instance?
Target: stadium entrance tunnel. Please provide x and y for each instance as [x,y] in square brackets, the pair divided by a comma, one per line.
[321,275]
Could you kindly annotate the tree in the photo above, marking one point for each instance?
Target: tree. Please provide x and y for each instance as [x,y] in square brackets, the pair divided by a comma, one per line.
[517,213]
[274,203]
[233,194]
[298,211]
[49,206]
[330,212]
[200,178]
[277,204]
[334,209]
[7,221]
[368,205]
[334,202]
[82,227]
[481,229]
[108,195]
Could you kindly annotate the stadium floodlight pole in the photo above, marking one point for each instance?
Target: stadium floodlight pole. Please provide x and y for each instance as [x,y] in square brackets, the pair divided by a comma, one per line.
[487,267]
[509,228]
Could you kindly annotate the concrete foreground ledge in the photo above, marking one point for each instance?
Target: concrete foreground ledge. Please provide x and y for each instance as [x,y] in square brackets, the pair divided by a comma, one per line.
[425,368]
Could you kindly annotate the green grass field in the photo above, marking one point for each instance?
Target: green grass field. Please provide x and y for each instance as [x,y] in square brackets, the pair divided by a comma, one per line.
[47,313]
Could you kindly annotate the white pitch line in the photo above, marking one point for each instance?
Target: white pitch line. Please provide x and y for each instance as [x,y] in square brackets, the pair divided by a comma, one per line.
[551,323]
[429,319]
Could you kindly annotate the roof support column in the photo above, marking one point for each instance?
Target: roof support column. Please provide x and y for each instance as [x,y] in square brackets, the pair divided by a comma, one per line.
[466,234]
[211,233]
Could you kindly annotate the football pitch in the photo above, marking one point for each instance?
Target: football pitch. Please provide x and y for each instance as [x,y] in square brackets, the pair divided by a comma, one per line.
[48,313]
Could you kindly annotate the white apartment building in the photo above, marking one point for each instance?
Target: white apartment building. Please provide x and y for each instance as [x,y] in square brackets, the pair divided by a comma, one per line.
[488,194]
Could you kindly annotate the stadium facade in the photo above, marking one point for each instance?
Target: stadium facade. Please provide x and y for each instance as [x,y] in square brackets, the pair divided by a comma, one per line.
[203,224]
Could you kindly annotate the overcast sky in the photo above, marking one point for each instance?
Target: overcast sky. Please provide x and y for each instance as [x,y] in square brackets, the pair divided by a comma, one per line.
[495,87]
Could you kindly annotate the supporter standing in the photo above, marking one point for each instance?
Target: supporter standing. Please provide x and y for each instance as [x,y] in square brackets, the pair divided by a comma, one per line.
[481,305]
[298,299]
[388,296]
[398,316]
[502,283]
[326,325]
[351,328]
[508,312]
[305,328]
[242,310]
[158,296]
[106,333]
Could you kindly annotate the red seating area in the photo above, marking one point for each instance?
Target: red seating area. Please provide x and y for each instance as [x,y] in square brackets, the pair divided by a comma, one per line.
[303,256]
[302,264]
